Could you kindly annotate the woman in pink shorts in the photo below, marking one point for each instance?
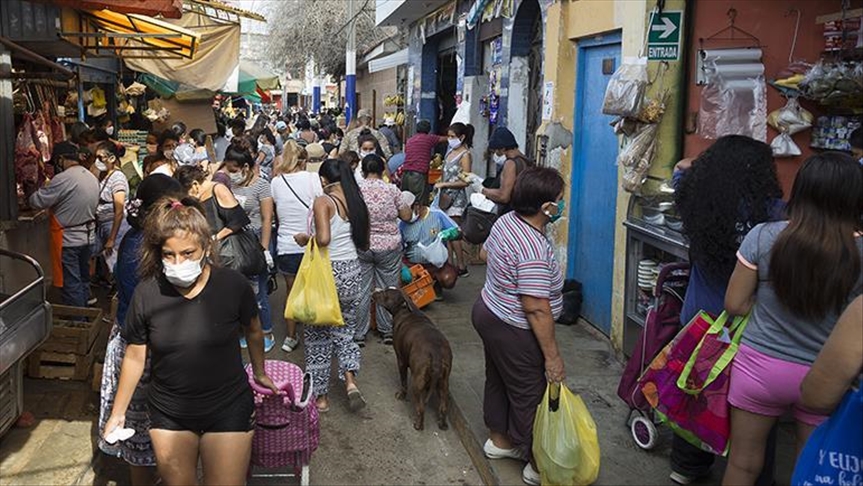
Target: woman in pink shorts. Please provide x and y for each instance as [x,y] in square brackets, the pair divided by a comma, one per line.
[796,277]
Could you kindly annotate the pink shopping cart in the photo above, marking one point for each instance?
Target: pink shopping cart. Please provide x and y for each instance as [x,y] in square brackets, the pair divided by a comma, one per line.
[287,430]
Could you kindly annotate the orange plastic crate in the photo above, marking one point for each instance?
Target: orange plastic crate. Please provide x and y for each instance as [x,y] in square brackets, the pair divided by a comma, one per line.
[421,288]
[435,175]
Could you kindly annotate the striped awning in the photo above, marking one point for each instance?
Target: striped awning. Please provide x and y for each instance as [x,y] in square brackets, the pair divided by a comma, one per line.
[132,31]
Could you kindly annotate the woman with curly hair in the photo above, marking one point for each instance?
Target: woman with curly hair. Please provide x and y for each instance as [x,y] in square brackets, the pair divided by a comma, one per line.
[721,195]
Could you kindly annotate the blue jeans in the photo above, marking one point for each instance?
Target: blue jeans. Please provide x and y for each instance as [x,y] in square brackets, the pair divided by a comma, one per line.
[76,275]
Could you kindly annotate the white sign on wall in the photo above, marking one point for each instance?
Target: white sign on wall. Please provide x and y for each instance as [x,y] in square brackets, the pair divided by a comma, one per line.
[547,100]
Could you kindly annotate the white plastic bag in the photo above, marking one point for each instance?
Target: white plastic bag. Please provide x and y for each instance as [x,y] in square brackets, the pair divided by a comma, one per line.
[791,118]
[435,253]
[784,146]
[733,107]
[626,88]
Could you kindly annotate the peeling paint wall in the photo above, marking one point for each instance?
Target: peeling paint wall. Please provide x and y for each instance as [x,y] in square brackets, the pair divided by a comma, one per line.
[519,84]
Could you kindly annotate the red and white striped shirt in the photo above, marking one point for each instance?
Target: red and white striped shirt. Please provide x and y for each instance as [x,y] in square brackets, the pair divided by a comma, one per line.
[520,262]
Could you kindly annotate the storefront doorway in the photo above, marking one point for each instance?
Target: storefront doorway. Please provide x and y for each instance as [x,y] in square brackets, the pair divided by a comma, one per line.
[594,180]
[446,89]
[525,75]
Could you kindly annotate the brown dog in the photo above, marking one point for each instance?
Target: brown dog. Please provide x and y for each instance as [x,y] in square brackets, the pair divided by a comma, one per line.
[420,346]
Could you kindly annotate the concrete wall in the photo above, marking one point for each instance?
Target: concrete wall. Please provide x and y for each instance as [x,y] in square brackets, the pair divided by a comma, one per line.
[383,83]
[565,24]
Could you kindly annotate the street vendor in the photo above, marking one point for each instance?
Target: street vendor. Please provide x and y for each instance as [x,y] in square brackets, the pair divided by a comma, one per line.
[71,197]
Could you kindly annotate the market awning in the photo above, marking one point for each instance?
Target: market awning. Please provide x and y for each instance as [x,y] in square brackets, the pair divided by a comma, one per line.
[253,76]
[142,33]
[169,9]
[390,61]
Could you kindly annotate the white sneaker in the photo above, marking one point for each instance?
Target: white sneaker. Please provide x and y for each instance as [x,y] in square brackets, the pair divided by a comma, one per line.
[530,476]
[680,478]
[494,452]
[290,344]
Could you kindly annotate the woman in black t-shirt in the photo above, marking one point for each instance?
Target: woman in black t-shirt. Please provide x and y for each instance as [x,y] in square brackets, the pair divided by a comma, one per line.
[188,314]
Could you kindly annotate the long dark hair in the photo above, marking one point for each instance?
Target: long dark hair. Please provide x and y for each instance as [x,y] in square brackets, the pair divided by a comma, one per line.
[730,188]
[335,170]
[815,263]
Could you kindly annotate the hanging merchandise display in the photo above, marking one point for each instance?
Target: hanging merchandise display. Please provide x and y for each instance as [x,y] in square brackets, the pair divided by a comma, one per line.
[788,120]
[733,101]
[625,91]
[838,84]
[832,132]
[637,157]
[98,103]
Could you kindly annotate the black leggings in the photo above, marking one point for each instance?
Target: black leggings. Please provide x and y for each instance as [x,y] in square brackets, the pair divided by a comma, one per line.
[239,416]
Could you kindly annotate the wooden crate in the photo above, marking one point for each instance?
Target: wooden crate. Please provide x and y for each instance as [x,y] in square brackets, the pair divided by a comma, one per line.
[64,366]
[75,330]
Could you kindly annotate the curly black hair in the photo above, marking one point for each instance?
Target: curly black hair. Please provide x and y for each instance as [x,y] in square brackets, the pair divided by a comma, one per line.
[731,187]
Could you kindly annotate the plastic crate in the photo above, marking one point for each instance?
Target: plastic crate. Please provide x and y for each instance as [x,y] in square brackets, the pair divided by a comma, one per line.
[421,288]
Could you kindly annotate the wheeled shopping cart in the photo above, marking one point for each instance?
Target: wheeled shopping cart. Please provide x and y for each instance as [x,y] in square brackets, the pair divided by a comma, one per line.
[287,429]
[660,326]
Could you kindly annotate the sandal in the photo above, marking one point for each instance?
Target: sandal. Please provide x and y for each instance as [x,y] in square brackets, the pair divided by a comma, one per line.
[323,409]
[356,402]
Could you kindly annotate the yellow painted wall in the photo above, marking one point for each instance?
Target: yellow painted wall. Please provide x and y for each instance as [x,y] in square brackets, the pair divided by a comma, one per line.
[567,22]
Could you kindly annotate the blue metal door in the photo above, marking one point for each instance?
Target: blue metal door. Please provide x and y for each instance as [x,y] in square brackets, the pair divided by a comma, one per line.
[594,181]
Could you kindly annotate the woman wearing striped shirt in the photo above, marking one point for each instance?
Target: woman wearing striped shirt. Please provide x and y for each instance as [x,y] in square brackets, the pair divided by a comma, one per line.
[515,316]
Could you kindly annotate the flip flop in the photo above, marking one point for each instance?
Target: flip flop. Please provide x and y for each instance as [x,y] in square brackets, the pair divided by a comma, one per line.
[356,402]
[324,409]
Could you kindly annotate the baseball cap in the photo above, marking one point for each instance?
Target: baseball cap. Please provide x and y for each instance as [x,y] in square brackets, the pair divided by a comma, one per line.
[67,150]
[364,113]
[315,151]
[502,138]
[280,125]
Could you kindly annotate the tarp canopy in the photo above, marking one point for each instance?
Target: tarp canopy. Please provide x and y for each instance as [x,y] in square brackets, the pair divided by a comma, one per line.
[154,33]
[172,89]
[253,76]
[169,9]
[216,58]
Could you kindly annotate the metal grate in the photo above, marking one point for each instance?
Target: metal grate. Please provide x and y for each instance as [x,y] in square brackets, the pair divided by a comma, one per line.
[10,397]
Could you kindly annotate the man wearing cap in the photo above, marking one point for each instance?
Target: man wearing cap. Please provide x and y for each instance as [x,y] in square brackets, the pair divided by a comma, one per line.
[315,156]
[282,134]
[510,162]
[350,142]
[418,155]
[72,197]
[389,132]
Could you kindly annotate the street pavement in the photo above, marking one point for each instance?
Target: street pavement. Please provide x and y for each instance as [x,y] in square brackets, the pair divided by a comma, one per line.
[378,445]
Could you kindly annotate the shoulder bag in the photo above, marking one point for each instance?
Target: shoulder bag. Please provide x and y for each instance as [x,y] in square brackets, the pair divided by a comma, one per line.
[240,251]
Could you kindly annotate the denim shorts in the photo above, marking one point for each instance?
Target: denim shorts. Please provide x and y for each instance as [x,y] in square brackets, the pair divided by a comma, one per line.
[289,264]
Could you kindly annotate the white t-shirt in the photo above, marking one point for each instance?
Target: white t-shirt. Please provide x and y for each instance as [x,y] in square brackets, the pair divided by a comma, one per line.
[293,209]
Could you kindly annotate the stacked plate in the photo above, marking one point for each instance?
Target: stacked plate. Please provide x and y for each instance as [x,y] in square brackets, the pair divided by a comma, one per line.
[648,272]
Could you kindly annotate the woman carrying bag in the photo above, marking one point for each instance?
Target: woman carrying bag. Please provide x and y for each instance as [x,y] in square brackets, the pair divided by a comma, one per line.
[340,224]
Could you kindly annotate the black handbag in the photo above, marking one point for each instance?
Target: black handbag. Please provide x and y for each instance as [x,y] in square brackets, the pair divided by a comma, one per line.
[476,225]
[240,251]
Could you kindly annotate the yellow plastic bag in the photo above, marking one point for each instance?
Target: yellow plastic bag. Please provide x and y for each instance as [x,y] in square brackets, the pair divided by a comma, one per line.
[564,439]
[313,299]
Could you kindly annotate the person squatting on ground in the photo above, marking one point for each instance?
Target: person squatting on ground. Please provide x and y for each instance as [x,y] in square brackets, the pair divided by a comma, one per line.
[294,190]
[742,170]
[253,194]
[188,313]
[515,315]
[381,263]
[340,223]
[137,451]
[795,277]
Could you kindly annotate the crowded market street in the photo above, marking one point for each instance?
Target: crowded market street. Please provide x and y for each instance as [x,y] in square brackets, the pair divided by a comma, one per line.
[462,242]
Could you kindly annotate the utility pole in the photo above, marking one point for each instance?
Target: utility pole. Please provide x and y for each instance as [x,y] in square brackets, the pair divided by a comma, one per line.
[351,65]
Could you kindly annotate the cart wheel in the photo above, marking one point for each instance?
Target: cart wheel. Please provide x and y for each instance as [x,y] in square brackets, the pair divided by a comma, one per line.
[643,432]
[304,476]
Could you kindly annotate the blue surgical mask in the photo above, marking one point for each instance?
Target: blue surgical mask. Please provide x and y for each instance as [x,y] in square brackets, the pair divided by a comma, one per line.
[555,217]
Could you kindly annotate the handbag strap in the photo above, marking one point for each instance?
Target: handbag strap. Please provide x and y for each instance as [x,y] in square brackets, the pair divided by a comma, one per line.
[218,221]
[735,330]
[295,192]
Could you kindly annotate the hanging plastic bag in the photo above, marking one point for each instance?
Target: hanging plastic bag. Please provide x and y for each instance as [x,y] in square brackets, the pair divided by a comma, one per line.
[565,445]
[791,118]
[625,91]
[784,146]
[313,299]
[637,157]
[435,253]
[733,106]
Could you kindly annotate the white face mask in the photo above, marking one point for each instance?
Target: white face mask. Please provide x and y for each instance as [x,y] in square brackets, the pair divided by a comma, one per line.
[237,177]
[363,154]
[454,143]
[184,274]
[499,159]
[109,130]
[100,166]
[414,218]
[169,154]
